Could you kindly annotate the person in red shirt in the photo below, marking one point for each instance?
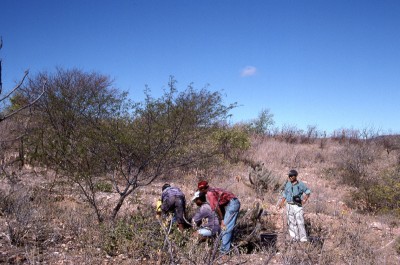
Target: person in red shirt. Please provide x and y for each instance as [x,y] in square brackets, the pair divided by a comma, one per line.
[227,207]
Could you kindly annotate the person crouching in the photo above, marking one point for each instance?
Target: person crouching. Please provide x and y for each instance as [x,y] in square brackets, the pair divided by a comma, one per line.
[173,201]
[205,219]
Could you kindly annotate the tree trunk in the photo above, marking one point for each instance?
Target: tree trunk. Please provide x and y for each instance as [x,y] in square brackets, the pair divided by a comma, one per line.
[120,202]
[21,152]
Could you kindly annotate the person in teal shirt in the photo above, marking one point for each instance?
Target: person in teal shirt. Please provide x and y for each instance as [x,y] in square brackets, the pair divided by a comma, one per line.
[295,194]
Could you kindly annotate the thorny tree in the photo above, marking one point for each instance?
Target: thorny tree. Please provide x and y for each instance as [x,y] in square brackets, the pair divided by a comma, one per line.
[167,133]
[68,128]
[89,132]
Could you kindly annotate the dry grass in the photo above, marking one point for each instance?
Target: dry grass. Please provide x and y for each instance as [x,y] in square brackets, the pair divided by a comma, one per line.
[44,220]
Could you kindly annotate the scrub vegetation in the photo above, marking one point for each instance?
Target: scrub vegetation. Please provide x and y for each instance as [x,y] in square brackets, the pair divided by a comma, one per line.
[82,165]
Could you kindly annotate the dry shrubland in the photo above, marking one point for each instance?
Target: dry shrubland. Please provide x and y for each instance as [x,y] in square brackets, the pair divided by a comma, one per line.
[45,220]
[81,168]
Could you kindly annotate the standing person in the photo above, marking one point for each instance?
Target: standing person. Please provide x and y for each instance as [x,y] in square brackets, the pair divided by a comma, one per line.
[295,194]
[205,218]
[173,200]
[222,200]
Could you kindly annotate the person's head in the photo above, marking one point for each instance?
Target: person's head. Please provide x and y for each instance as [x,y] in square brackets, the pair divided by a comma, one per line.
[166,185]
[199,198]
[202,186]
[292,175]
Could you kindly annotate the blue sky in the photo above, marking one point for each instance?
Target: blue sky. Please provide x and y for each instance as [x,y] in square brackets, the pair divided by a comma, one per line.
[333,64]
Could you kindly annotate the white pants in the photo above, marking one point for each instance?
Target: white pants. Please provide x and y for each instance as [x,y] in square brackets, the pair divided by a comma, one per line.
[295,221]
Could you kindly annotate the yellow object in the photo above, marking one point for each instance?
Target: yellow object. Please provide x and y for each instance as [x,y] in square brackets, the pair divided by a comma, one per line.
[165,222]
[158,206]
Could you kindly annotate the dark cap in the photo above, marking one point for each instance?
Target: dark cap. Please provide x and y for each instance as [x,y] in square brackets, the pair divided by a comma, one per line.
[293,173]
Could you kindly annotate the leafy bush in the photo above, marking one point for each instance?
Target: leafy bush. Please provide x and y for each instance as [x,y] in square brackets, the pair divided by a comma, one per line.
[129,233]
[232,141]
[263,124]
[381,196]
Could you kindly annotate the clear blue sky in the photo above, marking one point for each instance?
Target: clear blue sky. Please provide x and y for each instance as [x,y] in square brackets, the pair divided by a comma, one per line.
[333,64]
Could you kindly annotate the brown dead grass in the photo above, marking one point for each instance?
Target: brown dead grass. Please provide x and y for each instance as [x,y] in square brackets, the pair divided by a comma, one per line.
[54,225]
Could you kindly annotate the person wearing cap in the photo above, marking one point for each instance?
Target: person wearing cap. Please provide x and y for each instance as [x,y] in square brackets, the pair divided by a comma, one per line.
[205,218]
[227,207]
[295,194]
[173,201]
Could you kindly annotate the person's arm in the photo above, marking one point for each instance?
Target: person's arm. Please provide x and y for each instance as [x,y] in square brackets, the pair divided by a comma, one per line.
[165,205]
[305,198]
[283,198]
[306,194]
[197,217]
[220,215]
[212,201]
[282,202]
[215,207]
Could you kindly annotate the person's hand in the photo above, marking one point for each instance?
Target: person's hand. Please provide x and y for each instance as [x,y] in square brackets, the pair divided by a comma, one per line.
[281,204]
[223,226]
[158,215]
[304,200]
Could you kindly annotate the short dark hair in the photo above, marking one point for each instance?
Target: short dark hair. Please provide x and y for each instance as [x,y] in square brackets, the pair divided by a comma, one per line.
[202,197]
[166,185]
[292,173]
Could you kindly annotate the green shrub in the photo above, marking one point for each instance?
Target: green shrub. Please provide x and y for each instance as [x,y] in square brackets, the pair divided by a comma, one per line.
[232,141]
[131,233]
[104,187]
[381,196]
[262,125]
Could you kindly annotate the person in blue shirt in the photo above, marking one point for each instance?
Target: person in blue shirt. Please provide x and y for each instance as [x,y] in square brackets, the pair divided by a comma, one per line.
[295,194]
[173,201]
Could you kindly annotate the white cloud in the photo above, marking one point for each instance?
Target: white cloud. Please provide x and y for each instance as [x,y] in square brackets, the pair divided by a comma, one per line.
[248,71]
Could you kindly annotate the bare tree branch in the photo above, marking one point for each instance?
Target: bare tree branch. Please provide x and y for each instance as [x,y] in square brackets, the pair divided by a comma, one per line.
[25,106]
[16,87]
